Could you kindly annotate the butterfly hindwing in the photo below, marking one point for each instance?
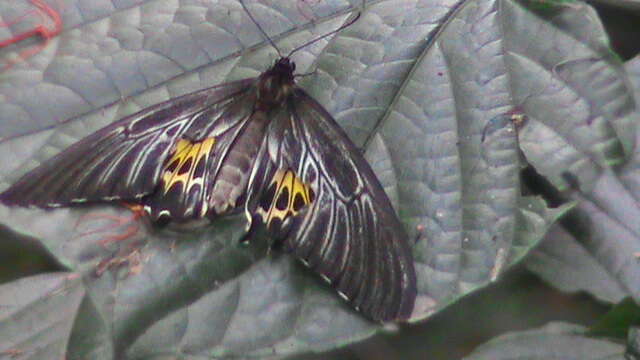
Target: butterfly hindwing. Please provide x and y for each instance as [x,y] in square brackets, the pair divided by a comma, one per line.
[209,177]
[182,184]
[284,197]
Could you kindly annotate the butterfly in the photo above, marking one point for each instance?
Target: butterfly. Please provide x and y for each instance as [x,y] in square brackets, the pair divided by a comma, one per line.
[259,145]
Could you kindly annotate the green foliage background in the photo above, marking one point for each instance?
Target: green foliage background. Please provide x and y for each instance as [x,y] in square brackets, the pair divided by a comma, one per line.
[523,299]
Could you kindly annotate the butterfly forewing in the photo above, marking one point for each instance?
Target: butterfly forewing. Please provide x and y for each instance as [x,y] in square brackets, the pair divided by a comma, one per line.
[347,231]
[125,159]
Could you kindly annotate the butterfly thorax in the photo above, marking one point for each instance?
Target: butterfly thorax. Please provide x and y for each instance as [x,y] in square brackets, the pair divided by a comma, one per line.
[275,84]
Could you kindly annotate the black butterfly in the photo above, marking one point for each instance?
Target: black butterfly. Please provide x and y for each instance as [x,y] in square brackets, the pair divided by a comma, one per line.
[262,145]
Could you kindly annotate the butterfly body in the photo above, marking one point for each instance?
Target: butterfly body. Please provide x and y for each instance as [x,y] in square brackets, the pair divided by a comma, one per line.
[262,146]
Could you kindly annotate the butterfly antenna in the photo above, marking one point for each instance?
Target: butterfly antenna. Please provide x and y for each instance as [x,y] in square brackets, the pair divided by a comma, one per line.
[326,35]
[260,28]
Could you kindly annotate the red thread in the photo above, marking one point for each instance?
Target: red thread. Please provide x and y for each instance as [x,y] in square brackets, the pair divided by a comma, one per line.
[117,222]
[44,11]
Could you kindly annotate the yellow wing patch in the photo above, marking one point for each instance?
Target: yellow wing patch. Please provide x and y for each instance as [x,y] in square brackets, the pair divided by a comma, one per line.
[186,165]
[285,196]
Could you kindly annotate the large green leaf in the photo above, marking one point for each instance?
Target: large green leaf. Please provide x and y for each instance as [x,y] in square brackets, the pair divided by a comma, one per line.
[427,88]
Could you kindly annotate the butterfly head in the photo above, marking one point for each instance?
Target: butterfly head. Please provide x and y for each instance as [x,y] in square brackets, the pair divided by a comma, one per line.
[275,84]
[285,66]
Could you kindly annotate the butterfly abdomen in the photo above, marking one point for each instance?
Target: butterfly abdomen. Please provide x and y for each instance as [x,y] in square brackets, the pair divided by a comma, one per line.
[230,183]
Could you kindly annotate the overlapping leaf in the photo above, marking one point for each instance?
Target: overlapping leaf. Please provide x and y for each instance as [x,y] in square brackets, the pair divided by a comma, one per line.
[596,249]
[553,340]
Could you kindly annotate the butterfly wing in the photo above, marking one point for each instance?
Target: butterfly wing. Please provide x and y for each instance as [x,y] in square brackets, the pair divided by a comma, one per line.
[322,198]
[125,159]
[209,177]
